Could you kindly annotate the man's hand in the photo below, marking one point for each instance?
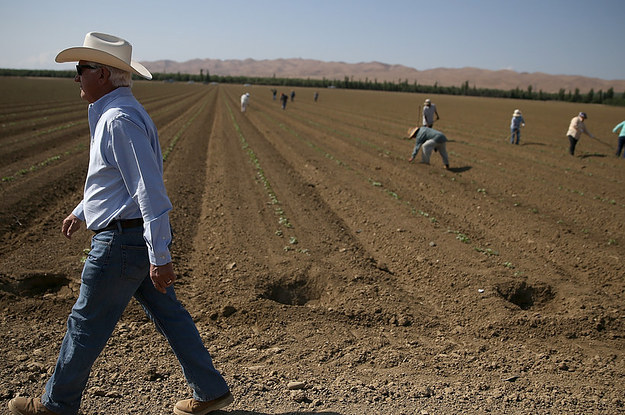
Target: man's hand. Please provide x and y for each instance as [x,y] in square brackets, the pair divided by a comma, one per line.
[70,225]
[162,276]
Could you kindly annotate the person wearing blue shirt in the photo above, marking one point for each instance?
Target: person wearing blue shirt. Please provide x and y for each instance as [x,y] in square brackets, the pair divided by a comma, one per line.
[621,138]
[126,205]
[515,127]
[430,140]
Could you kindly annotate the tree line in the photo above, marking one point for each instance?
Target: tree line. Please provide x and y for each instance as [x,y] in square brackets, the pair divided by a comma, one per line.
[608,97]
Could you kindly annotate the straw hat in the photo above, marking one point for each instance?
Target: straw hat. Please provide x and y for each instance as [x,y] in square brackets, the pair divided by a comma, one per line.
[516,113]
[427,102]
[412,131]
[107,50]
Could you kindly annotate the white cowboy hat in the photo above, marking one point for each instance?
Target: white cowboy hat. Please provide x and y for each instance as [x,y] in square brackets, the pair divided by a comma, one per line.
[427,101]
[107,50]
[517,113]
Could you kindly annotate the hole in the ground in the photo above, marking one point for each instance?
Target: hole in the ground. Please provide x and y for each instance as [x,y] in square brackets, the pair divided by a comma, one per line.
[295,292]
[524,295]
[34,284]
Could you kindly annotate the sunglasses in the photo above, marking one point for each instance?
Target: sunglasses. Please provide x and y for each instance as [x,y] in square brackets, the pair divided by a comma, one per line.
[79,68]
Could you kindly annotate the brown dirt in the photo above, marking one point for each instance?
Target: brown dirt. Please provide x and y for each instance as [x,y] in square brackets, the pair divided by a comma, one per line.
[310,251]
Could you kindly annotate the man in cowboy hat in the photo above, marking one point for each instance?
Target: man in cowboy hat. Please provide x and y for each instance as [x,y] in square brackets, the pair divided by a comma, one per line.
[576,128]
[126,205]
[429,110]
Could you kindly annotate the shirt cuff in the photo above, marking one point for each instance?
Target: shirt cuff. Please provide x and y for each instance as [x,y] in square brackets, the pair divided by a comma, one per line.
[79,212]
[157,235]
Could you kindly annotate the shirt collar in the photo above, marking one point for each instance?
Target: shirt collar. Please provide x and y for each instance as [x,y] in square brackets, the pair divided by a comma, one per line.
[96,109]
[100,105]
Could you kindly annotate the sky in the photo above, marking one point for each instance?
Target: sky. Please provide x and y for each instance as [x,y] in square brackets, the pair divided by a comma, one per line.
[571,37]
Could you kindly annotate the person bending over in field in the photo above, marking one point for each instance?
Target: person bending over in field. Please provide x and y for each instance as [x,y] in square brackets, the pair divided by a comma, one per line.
[126,206]
[576,128]
[429,139]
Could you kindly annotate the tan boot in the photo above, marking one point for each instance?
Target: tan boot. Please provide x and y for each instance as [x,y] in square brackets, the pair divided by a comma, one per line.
[193,407]
[28,406]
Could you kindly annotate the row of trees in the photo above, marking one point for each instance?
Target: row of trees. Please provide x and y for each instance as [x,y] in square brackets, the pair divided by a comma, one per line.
[608,97]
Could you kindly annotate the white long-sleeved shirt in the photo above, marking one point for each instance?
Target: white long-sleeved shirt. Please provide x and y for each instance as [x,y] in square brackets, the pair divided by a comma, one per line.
[125,175]
[577,127]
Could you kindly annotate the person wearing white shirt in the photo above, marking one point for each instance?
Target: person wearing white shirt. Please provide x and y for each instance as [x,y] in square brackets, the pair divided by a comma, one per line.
[576,128]
[245,100]
[125,204]
[429,111]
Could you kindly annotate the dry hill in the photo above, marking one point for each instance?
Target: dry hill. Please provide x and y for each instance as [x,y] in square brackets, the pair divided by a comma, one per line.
[308,68]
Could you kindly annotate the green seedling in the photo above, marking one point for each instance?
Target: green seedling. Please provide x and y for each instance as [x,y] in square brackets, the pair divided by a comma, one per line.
[487,251]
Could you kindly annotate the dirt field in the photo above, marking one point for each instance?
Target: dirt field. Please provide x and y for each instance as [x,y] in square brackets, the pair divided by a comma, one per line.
[326,273]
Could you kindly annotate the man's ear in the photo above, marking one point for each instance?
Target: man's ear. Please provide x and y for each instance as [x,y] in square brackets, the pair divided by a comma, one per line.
[105,74]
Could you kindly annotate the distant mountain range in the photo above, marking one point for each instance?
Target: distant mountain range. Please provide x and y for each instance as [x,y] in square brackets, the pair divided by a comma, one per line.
[314,69]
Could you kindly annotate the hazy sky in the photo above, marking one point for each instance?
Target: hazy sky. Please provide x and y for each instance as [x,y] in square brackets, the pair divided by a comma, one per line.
[553,36]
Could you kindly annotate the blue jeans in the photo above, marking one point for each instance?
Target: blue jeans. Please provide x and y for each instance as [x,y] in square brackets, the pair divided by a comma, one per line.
[117,269]
[513,132]
[621,144]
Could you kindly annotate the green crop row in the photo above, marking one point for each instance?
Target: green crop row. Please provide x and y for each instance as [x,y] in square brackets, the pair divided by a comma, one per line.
[283,219]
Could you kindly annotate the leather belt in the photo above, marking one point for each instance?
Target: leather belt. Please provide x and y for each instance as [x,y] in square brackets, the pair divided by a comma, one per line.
[124,224]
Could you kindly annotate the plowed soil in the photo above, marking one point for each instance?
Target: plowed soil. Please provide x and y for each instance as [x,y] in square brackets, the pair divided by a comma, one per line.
[327,274]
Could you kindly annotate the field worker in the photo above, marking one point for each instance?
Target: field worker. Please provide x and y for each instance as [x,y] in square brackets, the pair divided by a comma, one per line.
[430,139]
[515,126]
[576,128]
[126,206]
[245,99]
[283,100]
[316,96]
[292,96]
[621,139]
[429,110]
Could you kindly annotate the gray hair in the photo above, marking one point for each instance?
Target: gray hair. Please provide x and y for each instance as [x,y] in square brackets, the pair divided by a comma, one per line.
[119,77]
